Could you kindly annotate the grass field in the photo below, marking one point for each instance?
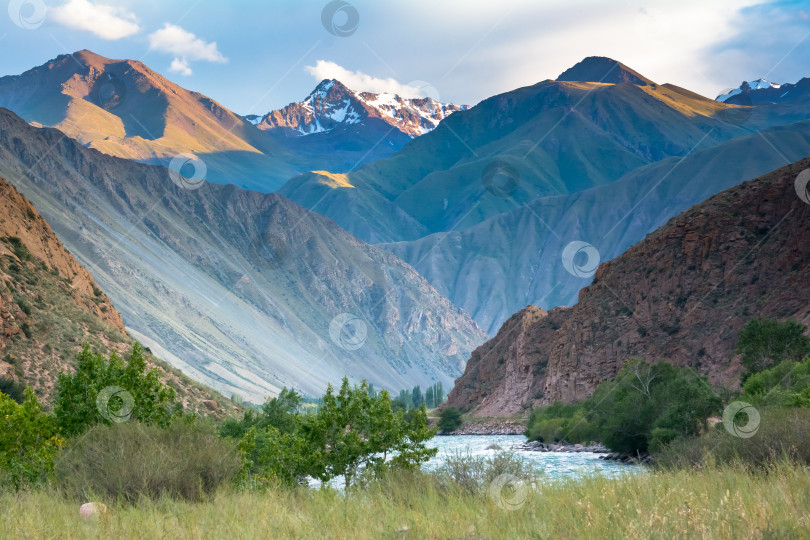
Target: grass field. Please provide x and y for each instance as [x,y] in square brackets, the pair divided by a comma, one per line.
[709,503]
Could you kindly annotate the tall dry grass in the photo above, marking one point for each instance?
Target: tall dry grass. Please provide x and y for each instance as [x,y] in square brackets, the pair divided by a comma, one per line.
[721,502]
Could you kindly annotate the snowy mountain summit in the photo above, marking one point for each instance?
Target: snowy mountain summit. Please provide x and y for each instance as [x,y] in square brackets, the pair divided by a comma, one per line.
[332,105]
[746,87]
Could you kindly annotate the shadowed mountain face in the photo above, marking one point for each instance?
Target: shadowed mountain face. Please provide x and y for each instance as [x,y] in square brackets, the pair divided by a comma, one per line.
[552,138]
[246,292]
[681,294]
[518,258]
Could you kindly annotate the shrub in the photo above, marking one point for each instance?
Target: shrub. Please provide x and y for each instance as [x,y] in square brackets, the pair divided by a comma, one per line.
[128,461]
[474,474]
[354,431]
[561,422]
[785,385]
[12,389]
[28,441]
[449,419]
[764,343]
[782,434]
[644,397]
[77,404]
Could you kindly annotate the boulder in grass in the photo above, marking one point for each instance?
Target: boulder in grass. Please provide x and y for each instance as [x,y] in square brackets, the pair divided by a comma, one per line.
[92,509]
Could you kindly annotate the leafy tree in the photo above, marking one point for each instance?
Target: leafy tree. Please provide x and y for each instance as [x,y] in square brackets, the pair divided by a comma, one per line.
[438,393]
[651,402]
[416,397]
[405,398]
[561,422]
[279,412]
[764,343]
[77,405]
[29,440]
[449,419]
[352,431]
[429,403]
[643,409]
[787,384]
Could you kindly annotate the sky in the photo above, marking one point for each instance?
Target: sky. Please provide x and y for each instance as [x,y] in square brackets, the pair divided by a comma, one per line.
[257,55]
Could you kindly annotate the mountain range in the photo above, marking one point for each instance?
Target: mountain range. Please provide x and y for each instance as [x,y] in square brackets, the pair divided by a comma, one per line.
[484,205]
[246,292]
[473,212]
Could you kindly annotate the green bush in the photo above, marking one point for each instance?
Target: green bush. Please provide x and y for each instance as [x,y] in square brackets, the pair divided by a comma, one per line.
[12,389]
[787,384]
[29,441]
[449,419]
[127,461]
[561,422]
[782,435]
[353,431]
[80,403]
[645,405]
[764,343]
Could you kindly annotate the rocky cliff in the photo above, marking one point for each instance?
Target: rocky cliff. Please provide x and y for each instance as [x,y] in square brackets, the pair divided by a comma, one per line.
[681,294]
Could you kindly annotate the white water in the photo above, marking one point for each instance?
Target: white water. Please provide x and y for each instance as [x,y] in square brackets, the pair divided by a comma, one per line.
[551,465]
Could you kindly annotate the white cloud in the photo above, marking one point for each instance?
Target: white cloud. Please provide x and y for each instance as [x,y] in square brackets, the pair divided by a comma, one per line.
[185,47]
[180,65]
[107,22]
[362,82]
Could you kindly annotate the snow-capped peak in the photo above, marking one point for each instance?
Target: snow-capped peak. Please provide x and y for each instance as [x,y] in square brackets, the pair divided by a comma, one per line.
[332,104]
[759,84]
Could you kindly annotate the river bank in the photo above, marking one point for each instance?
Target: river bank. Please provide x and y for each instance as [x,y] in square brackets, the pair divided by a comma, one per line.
[489,427]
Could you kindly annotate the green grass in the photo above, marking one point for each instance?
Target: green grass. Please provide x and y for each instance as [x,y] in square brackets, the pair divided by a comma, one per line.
[708,503]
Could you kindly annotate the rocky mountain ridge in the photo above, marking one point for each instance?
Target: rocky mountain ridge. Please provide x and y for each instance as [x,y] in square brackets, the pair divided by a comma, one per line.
[331,105]
[681,294]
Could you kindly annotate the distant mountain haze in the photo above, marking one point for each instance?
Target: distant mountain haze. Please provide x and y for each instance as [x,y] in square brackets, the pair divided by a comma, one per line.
[246,292]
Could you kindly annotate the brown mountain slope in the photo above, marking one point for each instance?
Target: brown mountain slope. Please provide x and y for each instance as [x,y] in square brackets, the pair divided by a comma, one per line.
[124,109]
[603,70]
[50,305]
[681,294]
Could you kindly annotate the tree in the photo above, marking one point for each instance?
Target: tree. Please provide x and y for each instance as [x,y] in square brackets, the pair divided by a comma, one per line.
[416,397]
[647,403]
[406,399]
[763,343]
[429,403]
[352,431]
[438,393]
[29,440]
[107,391]
[449,419]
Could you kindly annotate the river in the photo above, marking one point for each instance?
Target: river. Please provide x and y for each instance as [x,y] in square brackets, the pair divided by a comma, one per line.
[552,465]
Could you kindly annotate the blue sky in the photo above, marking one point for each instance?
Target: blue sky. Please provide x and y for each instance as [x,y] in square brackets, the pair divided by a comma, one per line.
[253,56]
